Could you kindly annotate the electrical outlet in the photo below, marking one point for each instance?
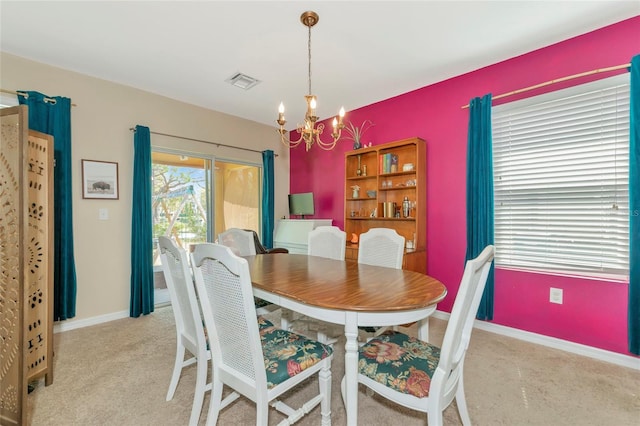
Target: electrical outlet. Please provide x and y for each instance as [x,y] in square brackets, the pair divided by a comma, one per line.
[555,295]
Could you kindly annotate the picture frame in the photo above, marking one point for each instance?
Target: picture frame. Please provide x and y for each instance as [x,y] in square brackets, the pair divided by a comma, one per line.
[100,180]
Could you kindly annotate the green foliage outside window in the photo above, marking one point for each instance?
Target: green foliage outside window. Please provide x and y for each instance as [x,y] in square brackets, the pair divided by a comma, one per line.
[179,195]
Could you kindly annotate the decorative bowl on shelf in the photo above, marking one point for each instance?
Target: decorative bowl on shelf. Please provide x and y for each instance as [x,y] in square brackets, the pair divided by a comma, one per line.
[371,194]
[408,167]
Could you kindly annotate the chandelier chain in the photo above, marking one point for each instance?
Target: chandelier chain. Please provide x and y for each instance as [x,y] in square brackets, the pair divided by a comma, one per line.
[309,48]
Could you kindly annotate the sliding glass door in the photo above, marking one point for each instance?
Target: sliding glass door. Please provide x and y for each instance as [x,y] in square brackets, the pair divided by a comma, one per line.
[180,205]
[196,197]
[237,196]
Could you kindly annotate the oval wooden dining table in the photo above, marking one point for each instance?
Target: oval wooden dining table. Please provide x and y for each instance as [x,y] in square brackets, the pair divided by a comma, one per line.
[349,294]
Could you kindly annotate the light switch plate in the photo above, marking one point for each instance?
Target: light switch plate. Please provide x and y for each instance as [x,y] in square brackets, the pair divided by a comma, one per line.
[103,214]
[555,295]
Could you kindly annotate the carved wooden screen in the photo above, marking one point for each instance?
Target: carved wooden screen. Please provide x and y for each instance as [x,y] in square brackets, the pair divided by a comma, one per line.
[26,261]
[12,374]
[38,252]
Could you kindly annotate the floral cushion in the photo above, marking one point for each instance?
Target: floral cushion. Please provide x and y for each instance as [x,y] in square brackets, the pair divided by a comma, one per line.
[263,322]
[261,303]
[400,362]
[287,354]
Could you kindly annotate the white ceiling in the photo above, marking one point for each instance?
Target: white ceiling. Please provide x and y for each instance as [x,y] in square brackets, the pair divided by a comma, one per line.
[362,51]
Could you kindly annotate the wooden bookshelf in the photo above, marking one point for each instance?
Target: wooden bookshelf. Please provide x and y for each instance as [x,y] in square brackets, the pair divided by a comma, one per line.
[381,185]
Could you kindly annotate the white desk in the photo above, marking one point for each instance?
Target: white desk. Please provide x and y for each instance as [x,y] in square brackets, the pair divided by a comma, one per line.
[346,293]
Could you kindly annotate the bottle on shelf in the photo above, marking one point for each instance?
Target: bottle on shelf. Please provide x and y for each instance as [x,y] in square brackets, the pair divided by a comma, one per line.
[406,206]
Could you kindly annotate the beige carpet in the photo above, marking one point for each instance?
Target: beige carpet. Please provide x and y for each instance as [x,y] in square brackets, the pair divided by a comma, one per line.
[118,374]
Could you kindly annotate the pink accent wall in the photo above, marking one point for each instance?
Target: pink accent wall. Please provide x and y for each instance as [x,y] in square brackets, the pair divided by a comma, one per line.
[594,312]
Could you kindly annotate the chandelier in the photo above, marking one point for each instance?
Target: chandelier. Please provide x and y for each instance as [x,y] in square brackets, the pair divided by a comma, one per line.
[309,132]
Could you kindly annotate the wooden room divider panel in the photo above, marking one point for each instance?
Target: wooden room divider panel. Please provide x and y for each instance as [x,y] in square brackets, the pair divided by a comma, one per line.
[26,261]
[38,261]
[12,373]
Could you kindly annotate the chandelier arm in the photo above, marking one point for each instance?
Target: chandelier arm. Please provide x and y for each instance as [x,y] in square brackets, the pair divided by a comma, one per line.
[327,146]
[289,143]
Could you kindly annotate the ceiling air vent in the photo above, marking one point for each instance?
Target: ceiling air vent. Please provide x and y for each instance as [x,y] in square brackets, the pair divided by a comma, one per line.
[242,81]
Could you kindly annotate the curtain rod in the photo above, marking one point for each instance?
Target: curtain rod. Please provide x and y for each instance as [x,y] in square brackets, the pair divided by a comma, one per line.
[13,92]
[133,129]
[558,80]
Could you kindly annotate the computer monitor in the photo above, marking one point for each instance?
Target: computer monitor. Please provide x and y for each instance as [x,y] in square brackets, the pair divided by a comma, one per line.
[301,204]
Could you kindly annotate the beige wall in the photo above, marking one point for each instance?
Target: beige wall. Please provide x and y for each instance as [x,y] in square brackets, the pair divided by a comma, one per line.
[100,131]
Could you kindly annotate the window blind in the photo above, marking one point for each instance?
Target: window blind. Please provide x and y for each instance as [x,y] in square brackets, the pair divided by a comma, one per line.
[561,180]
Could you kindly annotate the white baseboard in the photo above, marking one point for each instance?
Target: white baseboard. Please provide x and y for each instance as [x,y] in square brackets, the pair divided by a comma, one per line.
[552,342]
[68,325]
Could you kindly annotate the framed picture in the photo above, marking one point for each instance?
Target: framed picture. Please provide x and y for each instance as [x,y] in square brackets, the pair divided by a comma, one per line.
[99,180]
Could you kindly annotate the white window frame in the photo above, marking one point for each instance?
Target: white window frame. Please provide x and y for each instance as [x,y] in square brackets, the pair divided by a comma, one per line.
[549,216]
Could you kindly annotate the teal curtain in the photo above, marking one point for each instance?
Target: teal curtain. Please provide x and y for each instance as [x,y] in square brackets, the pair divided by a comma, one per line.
[267,198]
[480,192]
[634,208]
[141,226]
[52,115]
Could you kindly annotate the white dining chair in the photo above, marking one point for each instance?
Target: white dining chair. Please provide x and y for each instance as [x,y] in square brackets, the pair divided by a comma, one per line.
[190,333]
[259,363]
[327,241]
[242,243]
[419,375]
[381,247]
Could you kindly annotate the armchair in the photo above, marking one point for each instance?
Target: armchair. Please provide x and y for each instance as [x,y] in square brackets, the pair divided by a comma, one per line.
[260,249]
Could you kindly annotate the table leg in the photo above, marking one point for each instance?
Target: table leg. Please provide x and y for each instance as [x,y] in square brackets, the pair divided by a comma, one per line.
[351,368]
[286,318]
[423,329]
